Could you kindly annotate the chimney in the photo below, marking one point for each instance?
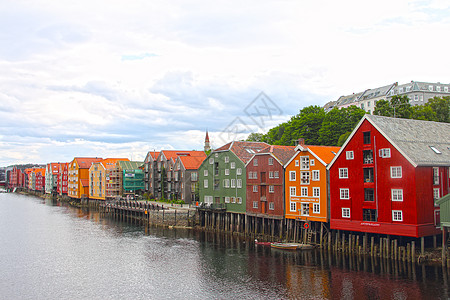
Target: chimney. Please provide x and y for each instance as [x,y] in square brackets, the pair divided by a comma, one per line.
[301,142]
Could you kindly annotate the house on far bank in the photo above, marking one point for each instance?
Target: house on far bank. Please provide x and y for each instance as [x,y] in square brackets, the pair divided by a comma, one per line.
[131,177]
[387,175]
[185,178]
[99,177]
[78,176]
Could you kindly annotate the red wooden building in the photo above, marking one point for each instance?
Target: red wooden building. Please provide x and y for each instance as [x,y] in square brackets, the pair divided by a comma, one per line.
[62,179]
[265,184]
[16,178]
[387,174]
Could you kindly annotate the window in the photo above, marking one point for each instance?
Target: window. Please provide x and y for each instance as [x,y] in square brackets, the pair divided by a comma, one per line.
[250,175]
[227,199]
[396,172]
[227,171]
[211,161]
[315,175]
[346,212]
[271,189]
[368,157]
[430,87]
[316,208]
[292,191]
[304,163]
[255,204]
[305,209]
[233,183]
[291,175]
[194,176]
[233,165]
[239,200]
[226,183]
[233,200]
[270,161]
[271,206]
[316,191]
[275,174]
[349,155]
[385,152]
[255,188]
[397,195]
[436,193]
[344,194]
[312,162]
[255,175]
[205,173]
[205,183]
[239,183]
[239,171]
[368,175]
[435,176]
[368,195]
[397,215]
[366,137]
[297,163]
[293,206]
[304,177]
[370,215]
[255,161]
[227,159]
[304,191]
[436,150]
[343,173]
[271,174]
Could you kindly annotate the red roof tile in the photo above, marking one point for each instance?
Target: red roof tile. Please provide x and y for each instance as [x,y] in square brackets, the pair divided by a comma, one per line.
[243,150]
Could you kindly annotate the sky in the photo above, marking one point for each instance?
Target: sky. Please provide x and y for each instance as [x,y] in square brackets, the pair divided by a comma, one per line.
[120,78]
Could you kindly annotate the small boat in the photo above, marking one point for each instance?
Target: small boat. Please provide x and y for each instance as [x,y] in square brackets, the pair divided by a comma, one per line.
[284,246]
[263,243]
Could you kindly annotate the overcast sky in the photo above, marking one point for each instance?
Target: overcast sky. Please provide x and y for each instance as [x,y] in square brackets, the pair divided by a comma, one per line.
[121,78]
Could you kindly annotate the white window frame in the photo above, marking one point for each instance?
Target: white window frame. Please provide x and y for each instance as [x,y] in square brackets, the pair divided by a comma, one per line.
[316,208]
[292,175]
[239,183]
[345,212]
[271,189]
[227,171]
[226,183]
[233,183]
[270,174]
[255,189]
[238,171]
[205,183]
[312,162]
[239,200]
[344,194]
[349,155]
[396,172]
[292,191]
[397,216]
[293,206]
[316,192]
[343,173]
[255,161]
[232,165]
[205,172]
[276,174]
[233,199]
[270,161]
[397,195]
[271,205]
[436,176]
[297,163]
[304,208]
[211,160]
[436,193]
[304,163]
[315,175]
[227,199]
[304,191]
[384,153]
[255,204]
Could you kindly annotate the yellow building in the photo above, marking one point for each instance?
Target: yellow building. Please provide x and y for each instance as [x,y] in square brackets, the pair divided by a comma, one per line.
[78,177]
[99,176]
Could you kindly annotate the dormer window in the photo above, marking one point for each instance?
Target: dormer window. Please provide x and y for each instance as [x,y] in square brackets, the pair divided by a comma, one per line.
[435,150]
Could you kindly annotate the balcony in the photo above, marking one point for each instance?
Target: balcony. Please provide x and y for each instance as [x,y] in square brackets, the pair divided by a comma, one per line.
[367,157]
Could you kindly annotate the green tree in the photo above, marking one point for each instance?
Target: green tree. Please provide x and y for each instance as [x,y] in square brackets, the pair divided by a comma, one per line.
[422,112]
[397,107]
[255,137]
[343,138]
[441,107]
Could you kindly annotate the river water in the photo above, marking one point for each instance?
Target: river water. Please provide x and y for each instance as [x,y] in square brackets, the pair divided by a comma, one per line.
[52,251]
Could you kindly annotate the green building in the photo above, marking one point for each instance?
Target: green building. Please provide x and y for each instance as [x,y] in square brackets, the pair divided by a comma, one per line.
[132,176]
[222,176]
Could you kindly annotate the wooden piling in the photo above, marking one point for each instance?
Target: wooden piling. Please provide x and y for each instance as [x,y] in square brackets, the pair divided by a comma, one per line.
[413,251]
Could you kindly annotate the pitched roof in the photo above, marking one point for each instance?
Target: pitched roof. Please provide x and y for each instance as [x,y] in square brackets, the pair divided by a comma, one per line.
[109,163]
[152,154]
[175,153]
[130,165]
[86,162]
[325,153]
[243,150]
[416,139]
[191,162]
[282,153]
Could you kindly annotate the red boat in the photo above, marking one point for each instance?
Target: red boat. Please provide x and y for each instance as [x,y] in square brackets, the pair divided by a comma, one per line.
[263,243]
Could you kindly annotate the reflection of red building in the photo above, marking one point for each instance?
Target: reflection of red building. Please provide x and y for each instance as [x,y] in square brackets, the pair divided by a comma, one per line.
[387,174]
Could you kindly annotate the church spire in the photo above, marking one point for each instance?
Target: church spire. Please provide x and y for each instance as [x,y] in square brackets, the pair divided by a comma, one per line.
[207,145]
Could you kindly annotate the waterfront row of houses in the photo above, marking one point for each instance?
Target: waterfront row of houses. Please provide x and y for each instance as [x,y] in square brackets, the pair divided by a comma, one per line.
[418,93]
[385,179]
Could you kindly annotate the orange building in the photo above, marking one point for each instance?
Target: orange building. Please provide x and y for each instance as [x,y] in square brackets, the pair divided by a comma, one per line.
[99,177]
[78,179]
[306,183]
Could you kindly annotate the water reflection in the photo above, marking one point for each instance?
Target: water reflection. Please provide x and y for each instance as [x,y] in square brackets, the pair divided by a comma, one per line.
[79,254]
